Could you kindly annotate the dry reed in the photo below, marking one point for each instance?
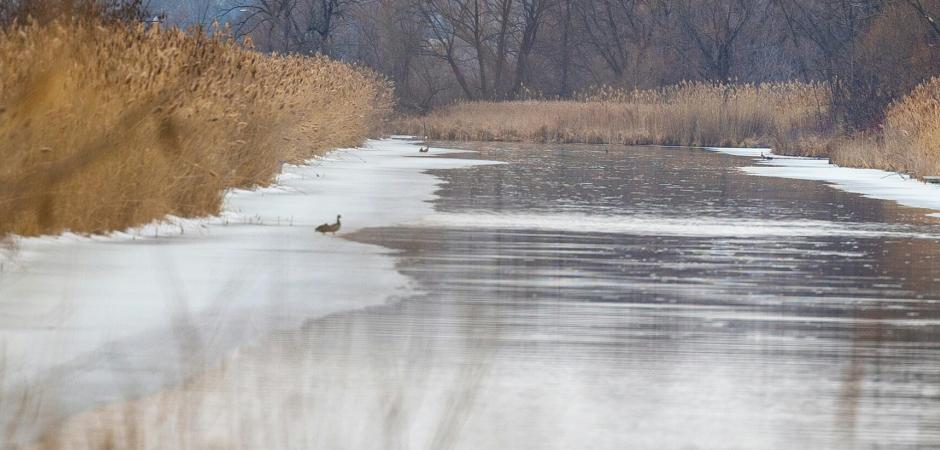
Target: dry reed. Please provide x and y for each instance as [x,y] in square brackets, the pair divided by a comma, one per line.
[909,142]
[792,117]
[686,114]
[106,126]
[912,130]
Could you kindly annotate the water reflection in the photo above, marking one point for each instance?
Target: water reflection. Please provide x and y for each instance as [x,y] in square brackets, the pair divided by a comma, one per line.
[600,333]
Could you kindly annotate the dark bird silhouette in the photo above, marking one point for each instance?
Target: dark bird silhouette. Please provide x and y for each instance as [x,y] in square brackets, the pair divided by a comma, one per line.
[330,227]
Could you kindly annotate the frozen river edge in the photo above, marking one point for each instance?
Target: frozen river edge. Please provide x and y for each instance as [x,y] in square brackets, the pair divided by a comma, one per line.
[94,321]
[86,321]
[873,183]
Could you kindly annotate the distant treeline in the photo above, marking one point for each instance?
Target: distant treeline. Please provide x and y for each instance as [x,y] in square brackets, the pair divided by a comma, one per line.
[870,52]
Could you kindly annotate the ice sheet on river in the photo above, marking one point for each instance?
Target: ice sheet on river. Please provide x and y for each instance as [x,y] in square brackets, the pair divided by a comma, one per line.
[872,183]
[86,321]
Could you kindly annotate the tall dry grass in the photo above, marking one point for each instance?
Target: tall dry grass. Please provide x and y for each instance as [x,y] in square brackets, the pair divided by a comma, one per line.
[106,126]
[912,130]
[793,118]
[686,114]
[909,142]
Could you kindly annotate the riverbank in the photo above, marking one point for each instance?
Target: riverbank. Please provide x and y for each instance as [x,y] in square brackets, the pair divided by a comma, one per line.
[791,118]
[150,307]
[691,114]
[106,126]
[874,183]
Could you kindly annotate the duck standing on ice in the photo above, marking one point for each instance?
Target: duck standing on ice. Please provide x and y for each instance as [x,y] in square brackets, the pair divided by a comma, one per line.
[330,227]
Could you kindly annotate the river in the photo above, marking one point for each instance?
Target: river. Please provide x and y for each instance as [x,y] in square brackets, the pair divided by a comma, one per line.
[599,297]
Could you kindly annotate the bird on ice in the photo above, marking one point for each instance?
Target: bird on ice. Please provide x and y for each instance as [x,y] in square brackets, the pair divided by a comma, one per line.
[330,227]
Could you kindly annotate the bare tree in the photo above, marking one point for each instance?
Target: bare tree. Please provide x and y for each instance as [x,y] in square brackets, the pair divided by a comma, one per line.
[927,15]
[619,31]
[564,88]
[492,39]
[443,42]
[301,26]
[533,12]
[832,29]
[713,27]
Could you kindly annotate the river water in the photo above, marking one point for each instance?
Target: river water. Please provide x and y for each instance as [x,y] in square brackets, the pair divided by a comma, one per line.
[650,297]
[595,297]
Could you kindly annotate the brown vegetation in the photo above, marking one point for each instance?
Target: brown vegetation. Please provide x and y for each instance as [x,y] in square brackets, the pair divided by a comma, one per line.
[912,130]
[686,114]
[106,126]
[793,118]
[910,142]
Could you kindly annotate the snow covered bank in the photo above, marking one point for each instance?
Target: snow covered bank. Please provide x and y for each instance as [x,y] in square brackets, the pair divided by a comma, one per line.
[872,183]
[85,321]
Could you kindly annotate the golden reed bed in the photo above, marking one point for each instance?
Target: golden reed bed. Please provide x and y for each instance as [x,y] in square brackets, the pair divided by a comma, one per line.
[907,142]
[686,114]
[793,118]
[103,127]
